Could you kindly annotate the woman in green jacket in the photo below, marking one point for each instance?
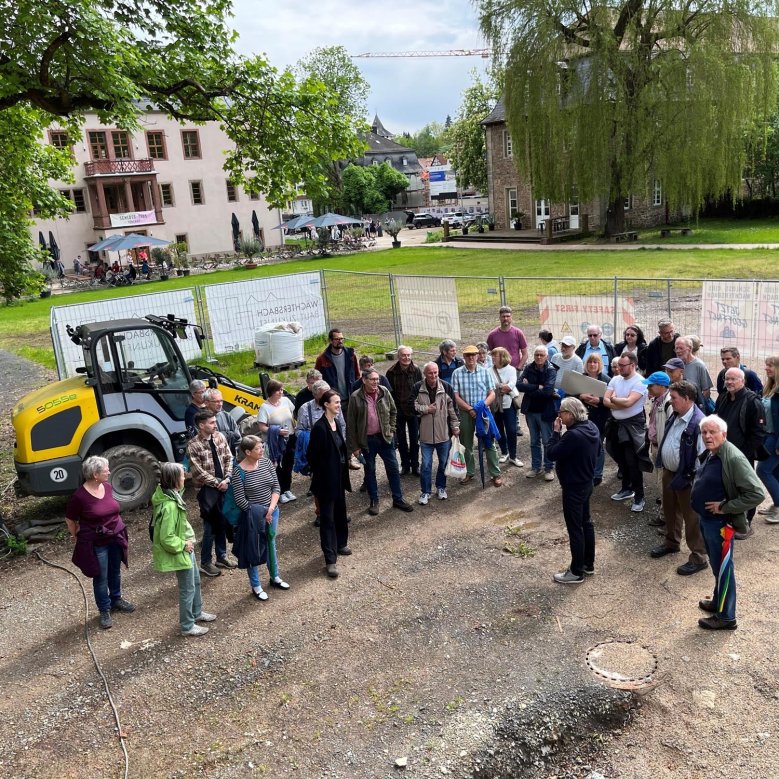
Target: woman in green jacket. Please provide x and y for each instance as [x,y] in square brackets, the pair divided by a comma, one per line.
[174,545]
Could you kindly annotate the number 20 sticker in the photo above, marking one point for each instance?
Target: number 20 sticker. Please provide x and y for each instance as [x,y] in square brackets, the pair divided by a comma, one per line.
[58,474]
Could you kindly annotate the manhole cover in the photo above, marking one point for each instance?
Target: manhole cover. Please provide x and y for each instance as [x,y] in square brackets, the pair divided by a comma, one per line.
[622,664]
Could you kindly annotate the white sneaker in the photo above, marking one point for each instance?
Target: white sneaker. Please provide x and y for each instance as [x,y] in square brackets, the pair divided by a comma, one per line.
[424,498]
[290,495]
[205,617]
[549,476]
[195,630]
[283,498]
[532,473]
[504,458]
[442,494]
[516,461]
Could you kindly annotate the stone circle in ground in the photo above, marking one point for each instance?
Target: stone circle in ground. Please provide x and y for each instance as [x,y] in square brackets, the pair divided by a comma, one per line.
[625,665]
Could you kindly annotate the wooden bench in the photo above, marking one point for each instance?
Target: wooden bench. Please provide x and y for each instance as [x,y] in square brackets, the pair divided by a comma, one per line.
[629,235]
[666,231]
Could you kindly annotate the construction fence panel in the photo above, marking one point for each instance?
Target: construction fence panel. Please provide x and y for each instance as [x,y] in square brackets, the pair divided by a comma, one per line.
[237,310]
[564,306]
[179,302]
[431,309]
[361,306]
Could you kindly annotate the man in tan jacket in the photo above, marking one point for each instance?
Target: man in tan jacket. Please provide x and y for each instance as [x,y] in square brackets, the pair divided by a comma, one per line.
[439,421]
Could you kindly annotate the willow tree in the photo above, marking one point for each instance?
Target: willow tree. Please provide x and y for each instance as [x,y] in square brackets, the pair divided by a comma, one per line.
[604,99]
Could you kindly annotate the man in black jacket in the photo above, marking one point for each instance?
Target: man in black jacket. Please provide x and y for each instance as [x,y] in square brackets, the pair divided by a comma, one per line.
[402,376]
[575,455]
[661,349]
[596,344]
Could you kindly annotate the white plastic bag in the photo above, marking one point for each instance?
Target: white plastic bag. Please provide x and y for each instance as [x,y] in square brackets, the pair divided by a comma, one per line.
[455,467]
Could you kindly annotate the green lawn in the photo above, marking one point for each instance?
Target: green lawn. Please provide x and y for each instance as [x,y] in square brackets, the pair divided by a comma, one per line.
[24,327]
[711,231]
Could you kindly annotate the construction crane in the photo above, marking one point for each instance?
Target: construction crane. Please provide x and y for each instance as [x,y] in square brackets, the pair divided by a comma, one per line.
[485,53]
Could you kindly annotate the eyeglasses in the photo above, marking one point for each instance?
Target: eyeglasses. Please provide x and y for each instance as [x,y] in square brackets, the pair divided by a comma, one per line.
[623,364]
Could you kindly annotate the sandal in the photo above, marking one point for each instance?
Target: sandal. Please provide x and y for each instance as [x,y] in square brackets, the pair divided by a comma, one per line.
[497,481]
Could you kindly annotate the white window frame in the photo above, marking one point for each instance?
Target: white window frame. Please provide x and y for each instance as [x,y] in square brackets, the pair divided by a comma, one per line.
[657,193]
[508,146]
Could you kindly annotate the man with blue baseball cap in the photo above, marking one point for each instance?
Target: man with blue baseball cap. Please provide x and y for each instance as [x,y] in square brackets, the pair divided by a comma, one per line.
[659,411]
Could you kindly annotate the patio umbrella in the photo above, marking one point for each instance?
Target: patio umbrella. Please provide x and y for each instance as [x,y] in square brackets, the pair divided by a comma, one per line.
[255,225]
[54,249]
[295,223]
[42,241]
[328,220]
[115,243]
[236,231]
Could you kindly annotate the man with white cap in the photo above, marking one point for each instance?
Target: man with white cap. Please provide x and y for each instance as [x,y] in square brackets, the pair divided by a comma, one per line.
[566,360]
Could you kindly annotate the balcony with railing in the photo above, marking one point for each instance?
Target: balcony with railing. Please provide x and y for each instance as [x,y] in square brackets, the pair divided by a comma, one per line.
[118,167]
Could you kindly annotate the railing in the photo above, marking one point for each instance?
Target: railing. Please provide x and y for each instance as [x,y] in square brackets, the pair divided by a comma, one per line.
[118,167]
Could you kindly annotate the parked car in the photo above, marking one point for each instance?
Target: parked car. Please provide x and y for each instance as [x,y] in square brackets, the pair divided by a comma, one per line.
[426,220]
[455,219]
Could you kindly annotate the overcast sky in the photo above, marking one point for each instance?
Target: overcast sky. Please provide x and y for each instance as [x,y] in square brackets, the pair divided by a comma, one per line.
[406,93]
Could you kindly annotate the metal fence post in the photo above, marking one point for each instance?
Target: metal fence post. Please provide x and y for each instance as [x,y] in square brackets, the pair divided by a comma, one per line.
[395,314]
[323,287]
[616,302]
[502,288]
[205,323]
[668,295]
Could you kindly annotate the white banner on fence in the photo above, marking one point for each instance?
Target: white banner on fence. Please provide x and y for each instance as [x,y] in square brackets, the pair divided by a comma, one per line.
[428,306]
[237,310]
[573,314]
[728,314]
[180,302]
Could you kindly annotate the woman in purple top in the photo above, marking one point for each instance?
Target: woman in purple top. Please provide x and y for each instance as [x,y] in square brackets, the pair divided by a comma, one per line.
[93,519]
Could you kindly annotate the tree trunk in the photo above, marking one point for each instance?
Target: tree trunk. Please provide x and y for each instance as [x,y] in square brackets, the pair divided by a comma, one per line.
[615,216]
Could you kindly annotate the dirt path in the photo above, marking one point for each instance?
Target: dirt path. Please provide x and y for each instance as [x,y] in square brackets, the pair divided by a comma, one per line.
[434,645]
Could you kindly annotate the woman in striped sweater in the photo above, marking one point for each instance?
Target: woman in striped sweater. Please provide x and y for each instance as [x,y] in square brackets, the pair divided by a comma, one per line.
[256,491]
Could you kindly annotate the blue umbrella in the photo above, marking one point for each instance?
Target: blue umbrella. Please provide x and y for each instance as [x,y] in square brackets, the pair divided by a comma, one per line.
[295,223]
[328,220]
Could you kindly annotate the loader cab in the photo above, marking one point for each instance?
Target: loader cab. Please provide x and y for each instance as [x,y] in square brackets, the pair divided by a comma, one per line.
[135,366]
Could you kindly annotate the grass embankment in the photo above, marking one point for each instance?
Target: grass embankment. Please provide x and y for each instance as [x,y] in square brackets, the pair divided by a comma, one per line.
[713,231]
[24,327]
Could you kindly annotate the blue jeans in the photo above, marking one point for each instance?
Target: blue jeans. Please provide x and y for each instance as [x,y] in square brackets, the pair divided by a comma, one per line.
[600,461]
[108,586]
[540,433]
[190,604]
[724,575]
[273,560]
[506,422]
[426,471]
[767,469]
[378,446]
[213,538]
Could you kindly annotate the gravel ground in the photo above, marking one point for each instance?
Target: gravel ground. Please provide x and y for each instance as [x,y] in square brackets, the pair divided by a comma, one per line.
[440,645]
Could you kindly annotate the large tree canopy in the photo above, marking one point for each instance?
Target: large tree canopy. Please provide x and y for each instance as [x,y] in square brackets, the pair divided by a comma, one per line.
[465,136]
[603,99]
[348,90]
[370,189]
[64,58]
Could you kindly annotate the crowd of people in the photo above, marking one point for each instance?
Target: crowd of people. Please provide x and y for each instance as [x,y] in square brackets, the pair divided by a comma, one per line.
[647,404]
